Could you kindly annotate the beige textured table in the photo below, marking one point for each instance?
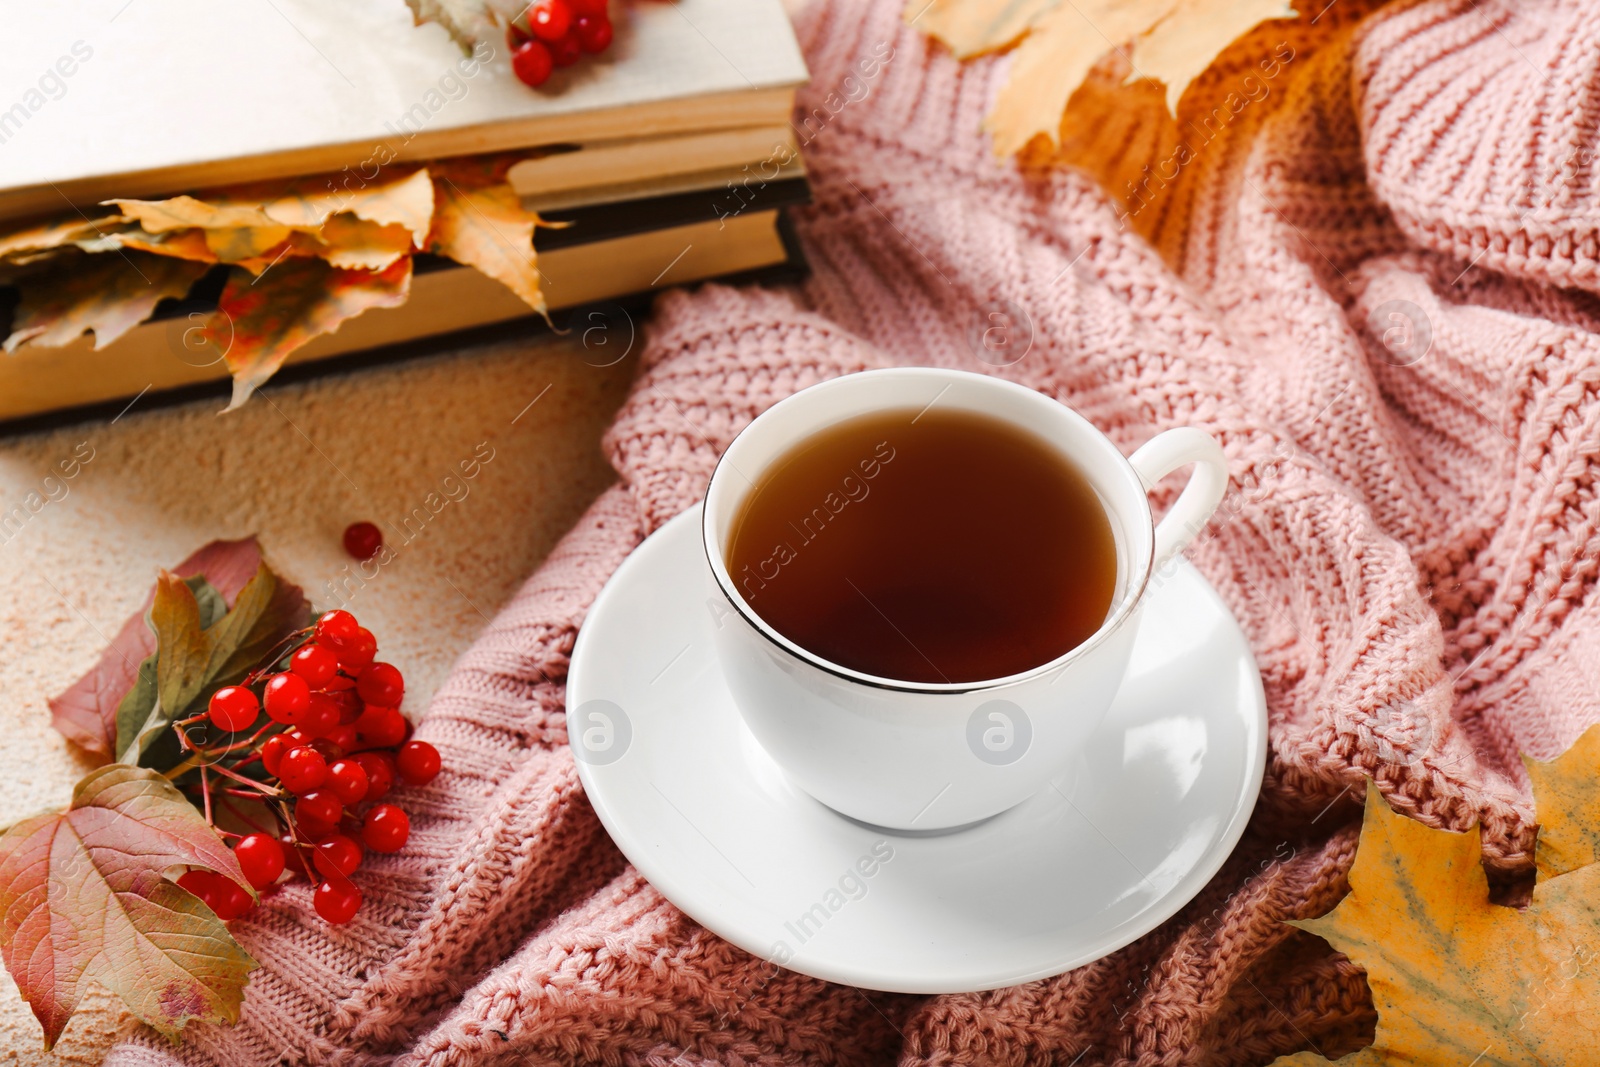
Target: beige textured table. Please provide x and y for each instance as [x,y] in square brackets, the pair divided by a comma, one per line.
[295,465]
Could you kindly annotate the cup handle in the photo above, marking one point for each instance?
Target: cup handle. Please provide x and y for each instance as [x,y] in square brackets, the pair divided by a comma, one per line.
[1162,455]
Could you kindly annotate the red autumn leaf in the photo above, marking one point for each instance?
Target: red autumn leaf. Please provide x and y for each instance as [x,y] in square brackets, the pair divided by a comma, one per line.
[82,896]
[86,714]
[260,320]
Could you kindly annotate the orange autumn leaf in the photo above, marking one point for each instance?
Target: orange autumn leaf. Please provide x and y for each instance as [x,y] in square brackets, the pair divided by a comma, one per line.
[322,249]
[479,220]
[359,244]
[1455,978]
[260,320]
[309,203]
[106,295]
[1170,41]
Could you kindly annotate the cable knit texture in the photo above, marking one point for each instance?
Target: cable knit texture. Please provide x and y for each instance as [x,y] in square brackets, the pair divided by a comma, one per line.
[1368,273]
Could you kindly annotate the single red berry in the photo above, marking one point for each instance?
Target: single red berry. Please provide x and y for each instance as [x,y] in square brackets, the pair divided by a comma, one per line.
[594,32]
[337,854]
[320,806]
[272,751]
[260,857]
[531,63]
[202,884]
[336,628]
[381,727]
[381,683]
[550,19]
[418,762]
[231,899]
[302,769]
[342,739]
[362,540]
[320,717]
[233,708]
[358,651]
[348,780]
[287,697]
[336,904]
[565,52]
[380,770]
[385,829]
[587,8]
[317,665]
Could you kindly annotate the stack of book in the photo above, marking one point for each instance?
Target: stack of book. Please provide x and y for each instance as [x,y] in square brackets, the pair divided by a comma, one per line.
[669,159]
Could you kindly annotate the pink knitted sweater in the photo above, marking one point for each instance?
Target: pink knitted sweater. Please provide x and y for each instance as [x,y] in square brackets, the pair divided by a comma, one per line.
[1370,274]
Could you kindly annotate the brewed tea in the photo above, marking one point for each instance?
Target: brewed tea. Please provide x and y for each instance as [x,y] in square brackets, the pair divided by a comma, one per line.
[932,546]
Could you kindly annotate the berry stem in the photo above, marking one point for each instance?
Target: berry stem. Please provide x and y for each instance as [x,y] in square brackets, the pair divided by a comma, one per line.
[205,791]
[261,788]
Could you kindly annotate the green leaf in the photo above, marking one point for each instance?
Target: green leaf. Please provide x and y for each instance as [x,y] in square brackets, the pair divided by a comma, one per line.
[137,708]
[197,653]
[212,605]
[82,895]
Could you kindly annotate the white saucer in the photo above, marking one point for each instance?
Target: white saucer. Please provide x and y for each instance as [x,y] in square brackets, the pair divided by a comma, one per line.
[1115,845]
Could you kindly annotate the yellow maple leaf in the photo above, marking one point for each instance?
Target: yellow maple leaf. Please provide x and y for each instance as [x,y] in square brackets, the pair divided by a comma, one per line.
[1170,41]
[479,220]
[1455,978]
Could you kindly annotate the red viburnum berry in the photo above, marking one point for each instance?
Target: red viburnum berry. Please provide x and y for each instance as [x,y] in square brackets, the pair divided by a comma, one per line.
[418,762]
[385,829]
[549,20]
[288,695]
[565,52]
[531,63]
[321,716]
[348,780]
[316,664]
[381,727]
[594,33]
[272,752]
[337,904]
[260,857]
[233,708]
[337,854]
[362,540]
[336,628]
[381,683]
[321,807]
[302,769]
[381,773]
[358,651]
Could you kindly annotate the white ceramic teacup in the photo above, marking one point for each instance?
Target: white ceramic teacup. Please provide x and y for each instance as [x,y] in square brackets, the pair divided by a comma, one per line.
[928,756]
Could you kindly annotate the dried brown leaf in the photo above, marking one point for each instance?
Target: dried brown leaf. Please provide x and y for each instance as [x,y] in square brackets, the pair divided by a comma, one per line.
[105,294]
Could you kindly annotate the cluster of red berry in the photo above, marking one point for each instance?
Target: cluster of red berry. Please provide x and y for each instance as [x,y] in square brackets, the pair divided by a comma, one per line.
[334,741]
[554,33]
